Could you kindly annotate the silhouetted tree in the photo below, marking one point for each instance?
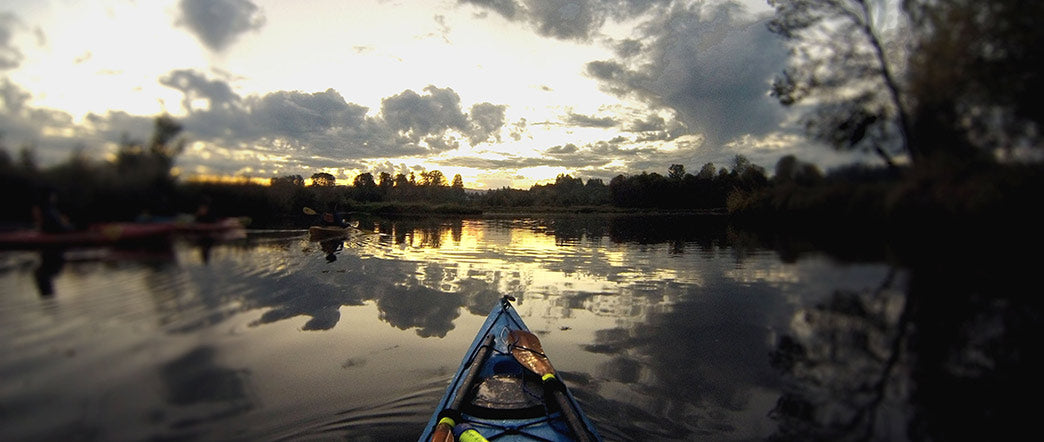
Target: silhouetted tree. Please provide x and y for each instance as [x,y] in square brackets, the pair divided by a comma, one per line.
[364,180]
[457,193]
[401,180]
[385,181]
[791,170]
[676,172]
[746,175]
[365,189]
[839,60]
[164,143]
[975,74]
[27,158]
[597,191]
[433,178]
[323,179]
[506,197]
[289,180]
[707,172]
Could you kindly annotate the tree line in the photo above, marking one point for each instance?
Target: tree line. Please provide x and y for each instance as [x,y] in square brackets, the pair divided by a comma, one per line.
[138,184]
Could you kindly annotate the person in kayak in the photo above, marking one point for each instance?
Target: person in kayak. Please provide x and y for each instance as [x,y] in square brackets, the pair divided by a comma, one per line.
[204,211]
[46,215]
[48,218]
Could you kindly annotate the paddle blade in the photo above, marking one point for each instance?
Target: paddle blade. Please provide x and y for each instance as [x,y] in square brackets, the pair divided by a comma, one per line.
[526,349]
[443,433]
[309,211]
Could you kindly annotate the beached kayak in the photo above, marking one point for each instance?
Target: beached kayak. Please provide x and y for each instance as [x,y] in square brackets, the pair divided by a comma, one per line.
[507,390]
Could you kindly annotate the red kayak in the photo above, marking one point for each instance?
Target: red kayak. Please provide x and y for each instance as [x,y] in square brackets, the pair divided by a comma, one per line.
[97,235]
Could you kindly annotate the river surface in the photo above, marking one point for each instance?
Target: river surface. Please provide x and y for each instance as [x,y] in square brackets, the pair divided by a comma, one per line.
[664,328]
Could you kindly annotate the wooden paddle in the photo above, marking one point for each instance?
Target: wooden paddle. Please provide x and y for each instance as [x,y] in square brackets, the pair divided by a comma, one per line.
[526,349]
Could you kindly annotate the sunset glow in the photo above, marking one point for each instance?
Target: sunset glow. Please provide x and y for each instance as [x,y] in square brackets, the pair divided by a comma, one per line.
[504,98]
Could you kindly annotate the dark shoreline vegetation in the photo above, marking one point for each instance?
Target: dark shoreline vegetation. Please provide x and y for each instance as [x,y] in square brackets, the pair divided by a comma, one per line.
[955,121]
[859,200]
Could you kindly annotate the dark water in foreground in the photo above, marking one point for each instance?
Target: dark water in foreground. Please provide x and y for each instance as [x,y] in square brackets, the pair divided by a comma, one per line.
[665,329]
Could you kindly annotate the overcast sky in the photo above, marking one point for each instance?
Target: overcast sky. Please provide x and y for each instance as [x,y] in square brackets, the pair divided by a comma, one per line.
[503,92]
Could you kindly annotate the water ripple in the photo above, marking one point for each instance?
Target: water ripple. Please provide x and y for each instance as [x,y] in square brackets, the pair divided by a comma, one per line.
[381,421]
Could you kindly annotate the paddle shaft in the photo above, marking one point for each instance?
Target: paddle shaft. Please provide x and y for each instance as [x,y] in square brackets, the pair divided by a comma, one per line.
[476,364]
[579,429]
[443,432]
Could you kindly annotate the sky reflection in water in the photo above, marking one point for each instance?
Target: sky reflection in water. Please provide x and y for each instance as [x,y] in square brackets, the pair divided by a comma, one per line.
[663,328]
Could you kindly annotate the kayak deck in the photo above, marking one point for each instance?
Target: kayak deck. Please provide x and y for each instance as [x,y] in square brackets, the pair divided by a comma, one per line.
[503,399]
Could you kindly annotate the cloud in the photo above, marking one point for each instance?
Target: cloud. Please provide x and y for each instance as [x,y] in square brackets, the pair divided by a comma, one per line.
[290,130]
[321,127]
[562,150]
[486,121]
[13,98]
[218,23]
[694,75]
[565,19]
[506,8]
[577,20]
[10,56]
[509,162]
[711,65]
[301,115]
[46,132]
[574,119]
[593,160]
[195,86]
[119,125]
[417,116]
[652,123]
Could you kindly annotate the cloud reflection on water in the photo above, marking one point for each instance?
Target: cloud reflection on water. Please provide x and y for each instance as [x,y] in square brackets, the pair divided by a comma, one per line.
[663,326]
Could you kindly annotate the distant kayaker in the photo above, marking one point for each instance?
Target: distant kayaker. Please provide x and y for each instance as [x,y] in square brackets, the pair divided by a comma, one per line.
[204,214]
[46,215]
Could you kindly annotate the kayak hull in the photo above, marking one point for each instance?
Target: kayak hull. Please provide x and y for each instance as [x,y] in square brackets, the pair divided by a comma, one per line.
[503,400]
[323,233]
[222,229]
[121,234]
[98,235]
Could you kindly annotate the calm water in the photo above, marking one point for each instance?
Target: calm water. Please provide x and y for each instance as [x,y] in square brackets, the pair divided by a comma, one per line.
[665,329]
